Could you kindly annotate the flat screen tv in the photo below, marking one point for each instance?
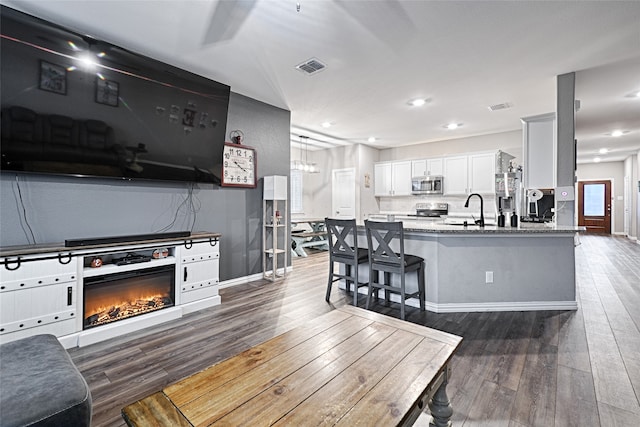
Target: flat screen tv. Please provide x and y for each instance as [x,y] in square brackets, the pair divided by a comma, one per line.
[74,105]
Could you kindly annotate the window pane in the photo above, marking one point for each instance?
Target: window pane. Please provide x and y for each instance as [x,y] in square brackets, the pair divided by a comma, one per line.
[594,200]
[296,191]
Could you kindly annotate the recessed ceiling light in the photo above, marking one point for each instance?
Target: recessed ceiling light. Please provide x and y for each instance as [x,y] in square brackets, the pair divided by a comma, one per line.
[417,102]
[617,133]
[603,151]
[596,159]
[452,126]
[634,94]
[371,139]
[327,124]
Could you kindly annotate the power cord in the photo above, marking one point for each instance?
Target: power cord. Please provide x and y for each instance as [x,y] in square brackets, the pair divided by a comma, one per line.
[24,213]
[192,207]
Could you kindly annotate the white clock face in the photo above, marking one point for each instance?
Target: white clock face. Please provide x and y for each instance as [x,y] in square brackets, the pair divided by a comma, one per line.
[239,166]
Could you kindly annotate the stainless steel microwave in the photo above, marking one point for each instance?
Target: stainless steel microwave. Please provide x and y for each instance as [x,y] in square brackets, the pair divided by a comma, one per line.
[426,184]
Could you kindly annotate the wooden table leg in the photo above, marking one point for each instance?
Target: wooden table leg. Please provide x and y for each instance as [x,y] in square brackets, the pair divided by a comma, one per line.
[440,407]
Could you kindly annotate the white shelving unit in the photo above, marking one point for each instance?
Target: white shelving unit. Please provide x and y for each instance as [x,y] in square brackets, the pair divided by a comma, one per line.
[275,231]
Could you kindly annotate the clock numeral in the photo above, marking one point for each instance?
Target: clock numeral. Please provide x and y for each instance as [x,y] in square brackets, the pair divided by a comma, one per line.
[250,159]
[227,155]
[245,179]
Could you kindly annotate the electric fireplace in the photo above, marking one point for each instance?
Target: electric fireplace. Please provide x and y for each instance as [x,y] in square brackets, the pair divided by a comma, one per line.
[113,297]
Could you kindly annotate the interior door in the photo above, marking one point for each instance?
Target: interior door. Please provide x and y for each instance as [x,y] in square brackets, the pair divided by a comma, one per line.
[594,206]
[343,193]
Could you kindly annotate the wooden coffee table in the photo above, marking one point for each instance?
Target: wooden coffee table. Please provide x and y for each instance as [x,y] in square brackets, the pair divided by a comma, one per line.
[347,367]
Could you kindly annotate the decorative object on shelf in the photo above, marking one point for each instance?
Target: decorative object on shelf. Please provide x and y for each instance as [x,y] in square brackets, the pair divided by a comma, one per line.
[236,136]
[107,92]
[96,262]
[160,253]
[239,166]
[304,166]
[53,78]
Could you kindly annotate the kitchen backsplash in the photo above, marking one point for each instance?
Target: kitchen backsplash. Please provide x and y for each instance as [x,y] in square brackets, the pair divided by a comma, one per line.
[407,205]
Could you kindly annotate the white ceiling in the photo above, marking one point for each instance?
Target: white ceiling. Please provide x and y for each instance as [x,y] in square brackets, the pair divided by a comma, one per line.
[461,55]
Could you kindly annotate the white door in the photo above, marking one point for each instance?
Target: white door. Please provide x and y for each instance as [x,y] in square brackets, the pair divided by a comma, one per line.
[343,193]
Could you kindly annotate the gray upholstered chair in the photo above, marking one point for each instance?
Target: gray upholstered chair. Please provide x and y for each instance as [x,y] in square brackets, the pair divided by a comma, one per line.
[382,258]
[340,233]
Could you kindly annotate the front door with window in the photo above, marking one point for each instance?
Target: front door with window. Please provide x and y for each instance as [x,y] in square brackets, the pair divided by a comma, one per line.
[594,206]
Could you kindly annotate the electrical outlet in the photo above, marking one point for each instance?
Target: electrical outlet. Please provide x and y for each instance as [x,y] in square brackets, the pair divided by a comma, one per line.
[488,276]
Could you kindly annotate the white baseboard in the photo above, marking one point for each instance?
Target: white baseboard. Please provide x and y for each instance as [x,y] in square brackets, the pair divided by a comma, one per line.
[247,279]
[200,304]
[484,306]
[499,306]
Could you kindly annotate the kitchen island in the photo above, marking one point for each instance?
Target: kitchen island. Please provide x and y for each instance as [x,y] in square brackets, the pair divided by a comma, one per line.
[529,267]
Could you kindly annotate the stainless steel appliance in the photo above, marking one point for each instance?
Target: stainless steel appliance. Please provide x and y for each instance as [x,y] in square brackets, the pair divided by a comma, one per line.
[426,184]
[432,210]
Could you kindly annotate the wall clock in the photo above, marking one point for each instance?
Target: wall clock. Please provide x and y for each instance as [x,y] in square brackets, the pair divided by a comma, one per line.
[238,166]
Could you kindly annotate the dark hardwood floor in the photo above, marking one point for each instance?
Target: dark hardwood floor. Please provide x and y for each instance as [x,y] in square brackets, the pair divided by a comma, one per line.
[562,368]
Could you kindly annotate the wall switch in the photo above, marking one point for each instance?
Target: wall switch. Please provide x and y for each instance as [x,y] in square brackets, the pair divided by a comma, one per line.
[488,276]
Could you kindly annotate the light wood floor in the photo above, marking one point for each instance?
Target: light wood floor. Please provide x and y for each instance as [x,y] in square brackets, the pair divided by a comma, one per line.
[564,368]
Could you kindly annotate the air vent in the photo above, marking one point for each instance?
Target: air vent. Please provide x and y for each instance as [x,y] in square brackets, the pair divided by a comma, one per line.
[311,66]
[502,106]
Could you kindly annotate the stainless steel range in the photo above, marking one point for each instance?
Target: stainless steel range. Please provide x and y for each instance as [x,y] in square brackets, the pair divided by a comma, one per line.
[432,210]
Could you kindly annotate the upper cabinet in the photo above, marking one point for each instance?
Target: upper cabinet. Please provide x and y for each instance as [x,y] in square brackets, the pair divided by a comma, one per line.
[482,173]
[392,179]
[456,175]
[539,146]
[427,167]
[474,173]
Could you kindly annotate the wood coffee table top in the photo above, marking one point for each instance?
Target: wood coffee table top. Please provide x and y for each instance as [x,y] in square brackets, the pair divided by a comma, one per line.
[349,366]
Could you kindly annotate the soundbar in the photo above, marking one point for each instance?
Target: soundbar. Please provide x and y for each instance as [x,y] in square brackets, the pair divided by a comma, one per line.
[122,239]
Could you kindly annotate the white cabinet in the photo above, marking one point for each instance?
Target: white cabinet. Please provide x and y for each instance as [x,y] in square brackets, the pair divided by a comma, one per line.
[48,292]
[539,134]
[38,297]
[275,232]
[392,179]
[199,276]
[482,173]
[427,167]
[474,173]
[456,175]
[382,179]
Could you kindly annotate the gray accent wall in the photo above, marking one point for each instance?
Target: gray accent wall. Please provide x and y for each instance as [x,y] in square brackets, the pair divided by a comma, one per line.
[59,208]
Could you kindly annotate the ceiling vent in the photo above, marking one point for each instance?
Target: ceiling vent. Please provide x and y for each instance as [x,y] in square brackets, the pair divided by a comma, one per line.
[312,66]
[502,106]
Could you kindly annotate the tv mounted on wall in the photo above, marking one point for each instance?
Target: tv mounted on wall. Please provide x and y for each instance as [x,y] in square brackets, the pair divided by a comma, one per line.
[74,105]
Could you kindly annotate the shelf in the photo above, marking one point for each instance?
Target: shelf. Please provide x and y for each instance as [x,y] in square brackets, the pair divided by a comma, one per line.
[112,268]
[277,251]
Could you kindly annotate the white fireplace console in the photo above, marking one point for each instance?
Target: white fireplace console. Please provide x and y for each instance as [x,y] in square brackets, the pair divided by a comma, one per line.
[42,286]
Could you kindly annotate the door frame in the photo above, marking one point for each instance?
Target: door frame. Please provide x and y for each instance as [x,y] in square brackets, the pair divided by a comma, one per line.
[333,192]
[579,208]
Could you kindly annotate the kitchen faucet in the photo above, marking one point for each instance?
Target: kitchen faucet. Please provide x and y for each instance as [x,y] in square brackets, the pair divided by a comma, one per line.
[480,221]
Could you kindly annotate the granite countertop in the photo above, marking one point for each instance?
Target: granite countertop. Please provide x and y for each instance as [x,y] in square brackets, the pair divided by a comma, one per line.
[21,250]
[438,226]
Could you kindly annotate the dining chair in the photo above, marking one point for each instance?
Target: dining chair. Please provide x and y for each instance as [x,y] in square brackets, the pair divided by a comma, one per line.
[382,258]
[342,238]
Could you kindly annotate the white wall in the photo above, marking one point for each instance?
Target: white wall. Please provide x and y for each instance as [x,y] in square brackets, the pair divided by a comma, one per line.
[509,142]
[613,171]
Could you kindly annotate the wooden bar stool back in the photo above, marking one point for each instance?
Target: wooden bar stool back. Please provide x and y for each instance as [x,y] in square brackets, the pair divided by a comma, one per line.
[343,239]
[382,258]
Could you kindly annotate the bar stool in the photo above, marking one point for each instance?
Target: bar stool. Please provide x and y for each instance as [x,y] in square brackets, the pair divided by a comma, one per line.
[382,258]
[341,251]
